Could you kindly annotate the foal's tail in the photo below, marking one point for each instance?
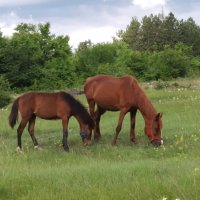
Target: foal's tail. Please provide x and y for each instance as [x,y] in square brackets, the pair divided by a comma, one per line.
[14,113]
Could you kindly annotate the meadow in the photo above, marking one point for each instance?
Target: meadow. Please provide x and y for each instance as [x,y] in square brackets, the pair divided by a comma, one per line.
[102,171]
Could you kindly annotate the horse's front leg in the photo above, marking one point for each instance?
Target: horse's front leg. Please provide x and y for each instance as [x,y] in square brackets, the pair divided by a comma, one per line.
[65,134]
[119,125]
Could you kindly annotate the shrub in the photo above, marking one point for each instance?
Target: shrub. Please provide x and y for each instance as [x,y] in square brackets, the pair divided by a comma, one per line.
[161,85]
[4,92]
[168,64]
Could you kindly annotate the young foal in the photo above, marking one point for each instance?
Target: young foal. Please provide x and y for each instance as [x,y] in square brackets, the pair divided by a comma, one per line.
[50,106]
[125,95]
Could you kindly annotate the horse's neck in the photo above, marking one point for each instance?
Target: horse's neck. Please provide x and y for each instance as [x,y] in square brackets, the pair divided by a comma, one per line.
[80,121]
[145,106]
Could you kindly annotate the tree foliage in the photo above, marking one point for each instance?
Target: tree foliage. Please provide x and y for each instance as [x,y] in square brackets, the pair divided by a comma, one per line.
[156,47]
[30,55]
[4,92]
[154,32]
[169,63]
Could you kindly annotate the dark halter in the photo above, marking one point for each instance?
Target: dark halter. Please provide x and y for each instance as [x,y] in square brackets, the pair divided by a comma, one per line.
[83,135]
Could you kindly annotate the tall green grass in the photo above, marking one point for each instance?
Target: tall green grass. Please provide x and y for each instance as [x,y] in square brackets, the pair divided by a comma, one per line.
[102,171]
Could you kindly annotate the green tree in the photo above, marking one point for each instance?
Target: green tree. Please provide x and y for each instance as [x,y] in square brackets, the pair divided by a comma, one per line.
[138,64]
[23,57]
[151,35]
[4,92]
[132,34]
[189,34]
[169,63]
[156,31]
[3,63]
[84,67]
[31,53]
[58,71]
[170,30]
[118,60]
[104,58]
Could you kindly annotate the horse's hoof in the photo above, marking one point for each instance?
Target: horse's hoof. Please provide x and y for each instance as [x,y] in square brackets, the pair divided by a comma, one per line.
[133,142]
[19,150]
[66,149]
[89,142]
[113,143]
[37,148]
[96,140]
[85,144]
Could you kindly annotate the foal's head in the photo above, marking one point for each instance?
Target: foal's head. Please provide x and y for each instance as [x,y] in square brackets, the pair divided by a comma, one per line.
[79,111]
[154,130]
[86,131]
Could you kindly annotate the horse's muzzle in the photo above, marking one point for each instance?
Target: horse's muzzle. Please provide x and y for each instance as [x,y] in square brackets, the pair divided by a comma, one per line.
[84,137]
[157,142]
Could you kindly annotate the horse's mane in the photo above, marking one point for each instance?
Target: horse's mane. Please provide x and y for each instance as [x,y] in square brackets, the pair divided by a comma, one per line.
[78,109]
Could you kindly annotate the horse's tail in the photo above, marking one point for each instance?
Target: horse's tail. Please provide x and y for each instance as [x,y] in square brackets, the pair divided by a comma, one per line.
[14,113]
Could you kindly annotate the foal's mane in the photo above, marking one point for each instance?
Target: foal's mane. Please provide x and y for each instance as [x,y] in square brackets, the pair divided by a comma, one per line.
[78,109]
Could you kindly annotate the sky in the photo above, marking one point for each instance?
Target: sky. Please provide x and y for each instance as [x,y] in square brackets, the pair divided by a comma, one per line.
[97,20]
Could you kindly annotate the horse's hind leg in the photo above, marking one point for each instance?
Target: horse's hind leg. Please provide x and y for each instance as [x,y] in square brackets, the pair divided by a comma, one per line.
[132,127]
[98,113]
[31,131]
[19,133]
[91,104]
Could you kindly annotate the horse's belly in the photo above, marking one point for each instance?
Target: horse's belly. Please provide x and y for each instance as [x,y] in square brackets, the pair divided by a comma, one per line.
[48,114]
[108,106]
[108,98]
[49,118]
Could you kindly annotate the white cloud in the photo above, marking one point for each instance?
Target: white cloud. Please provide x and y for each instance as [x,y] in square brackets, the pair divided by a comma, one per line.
[9,21]
[102,27]
[8,30]
[20,2]
[95,34]
[97,25]
[146,4]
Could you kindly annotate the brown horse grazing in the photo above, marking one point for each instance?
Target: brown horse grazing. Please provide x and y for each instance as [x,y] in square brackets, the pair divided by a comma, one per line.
[125,95]
[58,105]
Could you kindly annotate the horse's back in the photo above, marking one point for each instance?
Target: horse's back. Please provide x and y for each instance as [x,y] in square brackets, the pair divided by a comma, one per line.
[110,92]
[42,104]
[108,83]
[38,99]
[26,101]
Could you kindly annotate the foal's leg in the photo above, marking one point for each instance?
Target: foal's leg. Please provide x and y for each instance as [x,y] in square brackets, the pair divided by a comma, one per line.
[132,128]
[65,134]
[119,126]
[98,113]
[19,133]
[31,131]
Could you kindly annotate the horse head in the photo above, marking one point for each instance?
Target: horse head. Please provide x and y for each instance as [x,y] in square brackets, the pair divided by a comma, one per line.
[86,133]
[154,130]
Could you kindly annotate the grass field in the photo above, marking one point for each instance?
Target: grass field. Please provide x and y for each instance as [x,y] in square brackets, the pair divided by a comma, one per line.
[102,171]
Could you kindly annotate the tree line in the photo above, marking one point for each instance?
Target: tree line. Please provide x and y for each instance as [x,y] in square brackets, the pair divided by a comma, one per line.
[156,47]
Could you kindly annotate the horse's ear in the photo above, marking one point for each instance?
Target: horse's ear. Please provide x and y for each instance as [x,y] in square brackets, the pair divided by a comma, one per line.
[159,116]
